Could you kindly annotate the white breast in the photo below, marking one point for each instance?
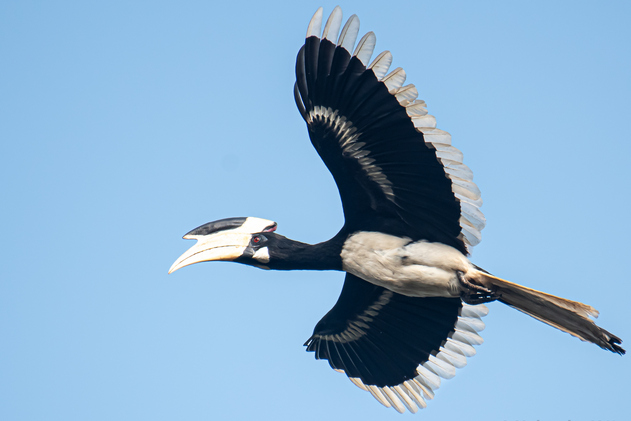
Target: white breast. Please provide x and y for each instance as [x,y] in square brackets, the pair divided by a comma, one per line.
[417,269]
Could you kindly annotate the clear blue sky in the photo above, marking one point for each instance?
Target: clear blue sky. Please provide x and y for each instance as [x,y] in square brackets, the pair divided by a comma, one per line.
[126,124]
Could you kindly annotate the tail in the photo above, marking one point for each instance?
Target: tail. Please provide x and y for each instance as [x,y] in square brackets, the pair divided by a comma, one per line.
[569,316]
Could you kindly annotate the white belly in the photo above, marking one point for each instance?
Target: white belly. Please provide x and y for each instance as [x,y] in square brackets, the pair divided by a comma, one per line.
[420,269]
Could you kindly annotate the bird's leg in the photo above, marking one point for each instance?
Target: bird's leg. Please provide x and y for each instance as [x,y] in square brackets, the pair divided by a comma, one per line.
[475,294]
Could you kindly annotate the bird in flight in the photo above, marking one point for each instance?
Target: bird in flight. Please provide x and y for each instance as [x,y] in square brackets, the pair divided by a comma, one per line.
[411,306]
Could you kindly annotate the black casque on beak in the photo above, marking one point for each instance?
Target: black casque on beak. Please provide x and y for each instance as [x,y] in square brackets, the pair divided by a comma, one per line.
[220,225]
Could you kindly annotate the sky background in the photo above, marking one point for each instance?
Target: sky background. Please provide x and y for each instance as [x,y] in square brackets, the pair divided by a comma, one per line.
[124,125]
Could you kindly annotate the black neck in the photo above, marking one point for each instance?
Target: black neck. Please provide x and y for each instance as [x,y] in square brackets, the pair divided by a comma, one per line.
[287,254]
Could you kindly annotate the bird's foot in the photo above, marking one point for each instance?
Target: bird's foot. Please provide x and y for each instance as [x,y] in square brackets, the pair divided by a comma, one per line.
[475,294]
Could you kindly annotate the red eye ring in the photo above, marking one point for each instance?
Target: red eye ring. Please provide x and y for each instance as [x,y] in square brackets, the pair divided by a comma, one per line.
[256,239]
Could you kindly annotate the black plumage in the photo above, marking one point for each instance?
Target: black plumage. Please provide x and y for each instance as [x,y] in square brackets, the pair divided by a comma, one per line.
[408,312]
[370,324]
[423,207]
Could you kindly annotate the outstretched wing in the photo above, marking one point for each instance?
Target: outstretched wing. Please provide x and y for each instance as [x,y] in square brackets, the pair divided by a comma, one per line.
[395,171]
[393,346]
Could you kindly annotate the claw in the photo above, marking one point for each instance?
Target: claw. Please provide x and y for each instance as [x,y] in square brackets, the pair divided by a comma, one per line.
[475,294]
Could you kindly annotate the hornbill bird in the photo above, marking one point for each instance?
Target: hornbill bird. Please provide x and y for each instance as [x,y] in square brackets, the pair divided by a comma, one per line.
[411,306]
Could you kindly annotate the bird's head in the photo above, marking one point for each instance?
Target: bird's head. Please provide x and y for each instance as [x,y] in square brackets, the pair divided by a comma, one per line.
[231,239]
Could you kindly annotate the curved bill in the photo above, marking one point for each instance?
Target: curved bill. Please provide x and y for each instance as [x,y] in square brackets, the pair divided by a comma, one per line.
[219,246]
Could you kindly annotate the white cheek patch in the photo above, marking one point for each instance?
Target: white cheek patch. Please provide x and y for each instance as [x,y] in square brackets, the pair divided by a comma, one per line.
[262,255]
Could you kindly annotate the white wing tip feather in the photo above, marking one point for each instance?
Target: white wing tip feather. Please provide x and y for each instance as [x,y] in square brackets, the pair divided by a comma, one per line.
[315,24]
[333,24]
[412,394]
[365,47]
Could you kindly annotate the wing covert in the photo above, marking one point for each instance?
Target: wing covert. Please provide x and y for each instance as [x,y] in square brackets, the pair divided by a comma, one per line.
[390,163]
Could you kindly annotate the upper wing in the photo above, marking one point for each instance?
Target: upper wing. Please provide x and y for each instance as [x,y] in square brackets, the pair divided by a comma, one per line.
[396,347]
[395,171]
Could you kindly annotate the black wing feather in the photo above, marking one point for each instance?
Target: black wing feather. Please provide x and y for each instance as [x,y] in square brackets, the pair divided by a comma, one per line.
[423,205]
[379,336]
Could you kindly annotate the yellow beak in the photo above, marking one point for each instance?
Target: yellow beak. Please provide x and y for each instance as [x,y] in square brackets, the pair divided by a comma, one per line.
[227,245]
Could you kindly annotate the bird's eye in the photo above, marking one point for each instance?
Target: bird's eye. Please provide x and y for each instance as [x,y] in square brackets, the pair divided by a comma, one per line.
[258,239]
